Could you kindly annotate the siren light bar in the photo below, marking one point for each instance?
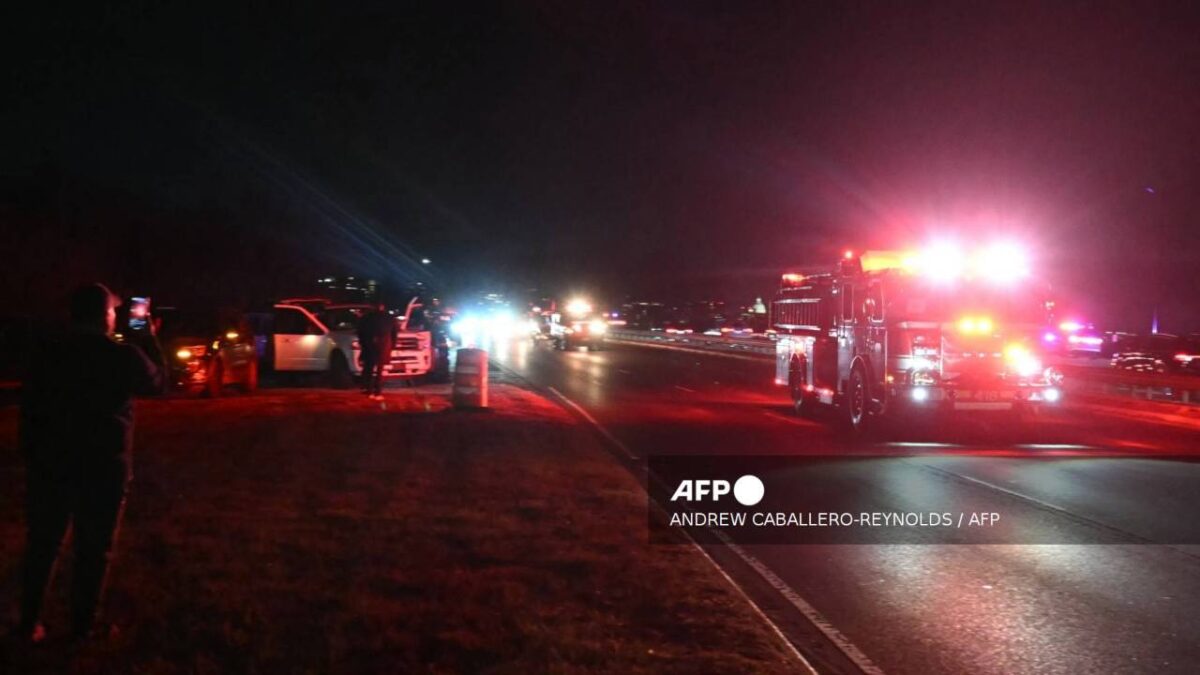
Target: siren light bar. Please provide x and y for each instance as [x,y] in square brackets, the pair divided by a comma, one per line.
[946,262]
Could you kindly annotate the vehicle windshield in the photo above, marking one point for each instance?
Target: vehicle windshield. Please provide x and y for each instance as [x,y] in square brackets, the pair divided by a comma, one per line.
[343,318]
[916,300]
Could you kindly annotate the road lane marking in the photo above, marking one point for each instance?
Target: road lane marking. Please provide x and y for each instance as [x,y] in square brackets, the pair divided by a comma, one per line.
[843,643]
[1084,520]
[753,605]
[690,391]
[779,585]
[599,427]
[999,488]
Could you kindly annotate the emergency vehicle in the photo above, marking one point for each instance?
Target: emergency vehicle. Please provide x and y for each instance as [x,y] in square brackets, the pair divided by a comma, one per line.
[894,332]
[578,325]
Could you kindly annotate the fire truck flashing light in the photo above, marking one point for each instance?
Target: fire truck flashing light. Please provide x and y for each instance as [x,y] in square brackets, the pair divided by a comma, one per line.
[946,262]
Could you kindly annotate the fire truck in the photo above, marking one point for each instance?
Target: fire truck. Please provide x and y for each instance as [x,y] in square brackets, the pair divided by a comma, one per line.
[897,333]
[578,325]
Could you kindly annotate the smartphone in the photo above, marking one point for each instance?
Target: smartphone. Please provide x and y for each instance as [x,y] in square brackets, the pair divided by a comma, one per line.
[139,313]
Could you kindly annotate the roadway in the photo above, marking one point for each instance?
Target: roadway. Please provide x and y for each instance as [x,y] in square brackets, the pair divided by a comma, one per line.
[1039,603]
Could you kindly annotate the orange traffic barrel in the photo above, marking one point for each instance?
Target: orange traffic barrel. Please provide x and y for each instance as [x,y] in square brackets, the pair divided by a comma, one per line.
[470,379]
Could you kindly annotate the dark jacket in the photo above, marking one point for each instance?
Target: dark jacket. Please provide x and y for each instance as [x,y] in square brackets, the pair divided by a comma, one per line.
[377,332]
[77,402]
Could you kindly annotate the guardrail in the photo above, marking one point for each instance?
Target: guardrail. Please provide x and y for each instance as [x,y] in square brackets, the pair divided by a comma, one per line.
[750,344]
[1149,386]
[1102,380]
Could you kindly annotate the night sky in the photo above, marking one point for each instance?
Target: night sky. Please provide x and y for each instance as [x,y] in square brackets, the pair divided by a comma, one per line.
[656,150]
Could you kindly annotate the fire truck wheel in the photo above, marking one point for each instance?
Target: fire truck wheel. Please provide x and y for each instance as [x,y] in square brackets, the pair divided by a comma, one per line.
[802,401]
[854,405]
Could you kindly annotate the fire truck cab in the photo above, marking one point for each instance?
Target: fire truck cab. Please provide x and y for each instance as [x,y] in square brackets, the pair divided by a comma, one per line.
[895,333]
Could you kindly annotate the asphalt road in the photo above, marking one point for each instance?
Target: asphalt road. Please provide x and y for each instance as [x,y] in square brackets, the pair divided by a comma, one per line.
[1128,605]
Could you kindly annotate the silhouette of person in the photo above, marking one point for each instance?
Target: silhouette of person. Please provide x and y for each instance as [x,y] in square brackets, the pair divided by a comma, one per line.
[76,433]
[376,337]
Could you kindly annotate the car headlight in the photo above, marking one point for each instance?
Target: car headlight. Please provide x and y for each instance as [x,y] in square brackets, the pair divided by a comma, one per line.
[1022,361]
[597,327]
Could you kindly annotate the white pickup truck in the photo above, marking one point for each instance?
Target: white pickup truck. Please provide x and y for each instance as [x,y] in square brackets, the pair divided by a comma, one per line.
[317,336]
[412,355]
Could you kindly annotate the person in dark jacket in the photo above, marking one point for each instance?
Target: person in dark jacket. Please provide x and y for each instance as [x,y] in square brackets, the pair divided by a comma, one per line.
[76,433]
[376,337]
[367,356]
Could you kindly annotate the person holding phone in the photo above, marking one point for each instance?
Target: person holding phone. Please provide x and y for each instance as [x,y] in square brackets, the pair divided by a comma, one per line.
[75,434]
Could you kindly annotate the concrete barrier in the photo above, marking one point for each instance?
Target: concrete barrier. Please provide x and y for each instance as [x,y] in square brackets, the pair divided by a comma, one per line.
[470,390]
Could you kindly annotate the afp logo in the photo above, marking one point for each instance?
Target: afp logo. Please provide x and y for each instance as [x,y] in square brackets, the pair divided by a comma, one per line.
[747,490]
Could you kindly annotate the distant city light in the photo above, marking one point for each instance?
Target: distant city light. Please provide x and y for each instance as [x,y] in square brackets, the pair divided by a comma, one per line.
[425,261]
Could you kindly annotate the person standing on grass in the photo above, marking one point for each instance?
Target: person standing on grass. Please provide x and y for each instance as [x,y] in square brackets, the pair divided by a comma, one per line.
[376,337]
[367,358]
[75,434]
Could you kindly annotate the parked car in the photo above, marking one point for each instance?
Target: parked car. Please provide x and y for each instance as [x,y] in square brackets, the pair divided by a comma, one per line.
[294,340]
[412,355]
[1159,353]
[207,351]
[319,336]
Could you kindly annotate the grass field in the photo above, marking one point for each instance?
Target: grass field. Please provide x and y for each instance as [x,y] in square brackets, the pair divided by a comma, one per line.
[303,531]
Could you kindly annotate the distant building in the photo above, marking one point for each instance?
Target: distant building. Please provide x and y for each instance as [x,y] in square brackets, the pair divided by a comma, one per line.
[349,289]
[644,315]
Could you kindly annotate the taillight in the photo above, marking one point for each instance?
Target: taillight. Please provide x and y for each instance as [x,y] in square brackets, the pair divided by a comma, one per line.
[186,353]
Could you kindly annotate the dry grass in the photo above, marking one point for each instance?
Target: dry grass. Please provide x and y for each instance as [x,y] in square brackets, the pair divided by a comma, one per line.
[312,532]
